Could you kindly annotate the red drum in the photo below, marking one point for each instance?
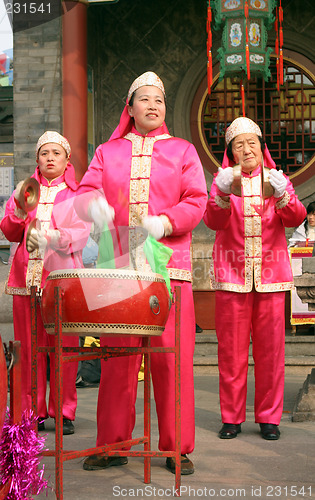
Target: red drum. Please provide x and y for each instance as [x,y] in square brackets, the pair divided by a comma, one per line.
[3,386]
[105,302]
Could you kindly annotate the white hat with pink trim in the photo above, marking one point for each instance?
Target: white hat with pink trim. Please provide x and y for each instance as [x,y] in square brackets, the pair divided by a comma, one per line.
[50,136]
[149,78]
[241,125]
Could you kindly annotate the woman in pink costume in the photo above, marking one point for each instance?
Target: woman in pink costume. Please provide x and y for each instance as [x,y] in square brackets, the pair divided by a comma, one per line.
[156,180]
[57,245]
[251,272]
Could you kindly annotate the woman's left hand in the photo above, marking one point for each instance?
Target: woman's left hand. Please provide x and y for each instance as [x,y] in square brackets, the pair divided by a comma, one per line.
[278,182]
[40,239]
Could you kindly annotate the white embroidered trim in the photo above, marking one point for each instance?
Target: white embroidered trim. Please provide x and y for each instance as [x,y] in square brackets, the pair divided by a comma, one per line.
[142,149]
[222,203]
[283,201]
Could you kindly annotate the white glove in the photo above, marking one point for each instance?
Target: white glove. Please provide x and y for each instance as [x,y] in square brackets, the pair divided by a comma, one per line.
[224,179]
[278,182]
[40,239]
[101,212]
[36,239]
[154,225]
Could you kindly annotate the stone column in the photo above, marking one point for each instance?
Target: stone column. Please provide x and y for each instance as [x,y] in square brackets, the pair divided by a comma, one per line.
[304,408]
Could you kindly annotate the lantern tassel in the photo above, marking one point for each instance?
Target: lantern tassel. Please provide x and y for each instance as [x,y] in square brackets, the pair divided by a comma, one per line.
[247,62]
[280,13]
[281,67]
[209,46]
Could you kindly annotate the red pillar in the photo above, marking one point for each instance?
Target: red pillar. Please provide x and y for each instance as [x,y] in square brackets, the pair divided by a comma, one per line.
[74,82]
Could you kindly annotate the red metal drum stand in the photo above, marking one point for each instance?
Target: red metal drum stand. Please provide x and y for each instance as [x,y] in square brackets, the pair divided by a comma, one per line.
[84,353]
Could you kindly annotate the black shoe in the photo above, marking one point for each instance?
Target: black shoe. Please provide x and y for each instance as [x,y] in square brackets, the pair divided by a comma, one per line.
[198,329]
[269,431]
[82,384]
[186,465]
[41,425]
[229,431]
[68,427]
[97,462]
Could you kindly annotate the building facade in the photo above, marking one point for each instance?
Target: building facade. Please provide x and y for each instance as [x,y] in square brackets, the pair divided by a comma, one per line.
[112,43]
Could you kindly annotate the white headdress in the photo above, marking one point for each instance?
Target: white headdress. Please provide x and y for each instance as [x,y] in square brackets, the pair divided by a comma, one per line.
[54,137]
[148,78]
[241,125]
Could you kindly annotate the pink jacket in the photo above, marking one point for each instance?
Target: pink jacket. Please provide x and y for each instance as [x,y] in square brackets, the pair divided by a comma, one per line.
[149,175]
[250,246]
[28,269]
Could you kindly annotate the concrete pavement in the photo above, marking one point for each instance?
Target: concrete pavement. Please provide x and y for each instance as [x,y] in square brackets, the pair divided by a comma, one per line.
[245,467]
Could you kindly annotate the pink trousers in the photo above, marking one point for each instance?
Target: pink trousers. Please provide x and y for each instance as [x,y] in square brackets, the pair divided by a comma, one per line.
[261,316]
[22,332]
[119,380]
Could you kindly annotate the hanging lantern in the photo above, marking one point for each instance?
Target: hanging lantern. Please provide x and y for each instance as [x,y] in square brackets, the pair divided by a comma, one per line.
[245,24]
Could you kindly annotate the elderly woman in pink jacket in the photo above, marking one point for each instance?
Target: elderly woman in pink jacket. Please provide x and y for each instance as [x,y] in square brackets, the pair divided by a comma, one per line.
[251,272]
[57,244]
[155,180]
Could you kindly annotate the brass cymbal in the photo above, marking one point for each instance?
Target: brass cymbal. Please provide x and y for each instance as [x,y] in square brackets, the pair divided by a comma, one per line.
[236,188]
[267,188]
[29,194]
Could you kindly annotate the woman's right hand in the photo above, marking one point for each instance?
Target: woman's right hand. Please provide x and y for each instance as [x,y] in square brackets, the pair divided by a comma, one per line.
[224,179]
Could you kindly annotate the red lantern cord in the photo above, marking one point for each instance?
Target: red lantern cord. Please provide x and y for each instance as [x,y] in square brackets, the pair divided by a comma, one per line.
[281,43]
[209,46]
[209,72]
[247,47]
[243,97]
[277,49]
[247,57]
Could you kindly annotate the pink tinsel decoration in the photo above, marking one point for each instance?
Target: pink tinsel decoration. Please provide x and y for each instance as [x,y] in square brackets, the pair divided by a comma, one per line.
[20,449]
